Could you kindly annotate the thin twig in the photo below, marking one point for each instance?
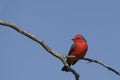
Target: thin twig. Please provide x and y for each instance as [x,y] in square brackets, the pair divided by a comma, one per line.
[75,73]
[102,64]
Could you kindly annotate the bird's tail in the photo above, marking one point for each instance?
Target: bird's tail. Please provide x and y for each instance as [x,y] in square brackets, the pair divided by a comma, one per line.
[65,68]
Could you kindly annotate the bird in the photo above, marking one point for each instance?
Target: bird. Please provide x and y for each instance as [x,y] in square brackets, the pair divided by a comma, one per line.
[78,49]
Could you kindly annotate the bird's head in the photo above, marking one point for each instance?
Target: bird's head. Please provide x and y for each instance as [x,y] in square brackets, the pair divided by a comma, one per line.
[79,37]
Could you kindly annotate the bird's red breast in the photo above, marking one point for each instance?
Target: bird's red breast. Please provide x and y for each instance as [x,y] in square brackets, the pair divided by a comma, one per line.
[78,49]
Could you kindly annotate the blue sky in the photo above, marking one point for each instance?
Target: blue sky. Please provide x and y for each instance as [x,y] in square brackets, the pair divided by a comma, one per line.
[56,22]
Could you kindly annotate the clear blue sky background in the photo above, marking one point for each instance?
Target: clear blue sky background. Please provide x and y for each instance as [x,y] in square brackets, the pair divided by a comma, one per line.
[56,22]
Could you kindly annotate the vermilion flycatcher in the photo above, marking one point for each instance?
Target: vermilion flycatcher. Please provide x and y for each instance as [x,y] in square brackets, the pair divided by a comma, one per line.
[78,49]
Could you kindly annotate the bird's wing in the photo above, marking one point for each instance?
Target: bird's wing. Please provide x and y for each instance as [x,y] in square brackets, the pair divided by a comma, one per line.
[71,49]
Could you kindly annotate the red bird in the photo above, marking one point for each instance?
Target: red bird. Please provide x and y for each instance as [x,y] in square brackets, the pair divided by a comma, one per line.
[78,49]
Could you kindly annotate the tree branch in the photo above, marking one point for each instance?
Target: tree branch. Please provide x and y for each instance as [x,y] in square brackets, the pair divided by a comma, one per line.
[42,43]
[52,52]
[75,73]
[102,64]
[98,62]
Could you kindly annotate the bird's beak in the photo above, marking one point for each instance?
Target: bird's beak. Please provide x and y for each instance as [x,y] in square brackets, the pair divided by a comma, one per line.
[72,39]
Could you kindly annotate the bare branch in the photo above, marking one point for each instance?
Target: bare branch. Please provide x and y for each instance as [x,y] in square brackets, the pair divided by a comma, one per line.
[98,62]
[52,52]
[42,43]
[13,26]
[75,73]
[104,65]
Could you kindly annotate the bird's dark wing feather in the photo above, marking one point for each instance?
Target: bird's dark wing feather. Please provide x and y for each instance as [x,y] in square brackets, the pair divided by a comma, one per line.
[71,49]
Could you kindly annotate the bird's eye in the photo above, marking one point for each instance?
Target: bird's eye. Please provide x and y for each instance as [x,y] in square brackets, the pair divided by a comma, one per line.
[81,39]
[78,38]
